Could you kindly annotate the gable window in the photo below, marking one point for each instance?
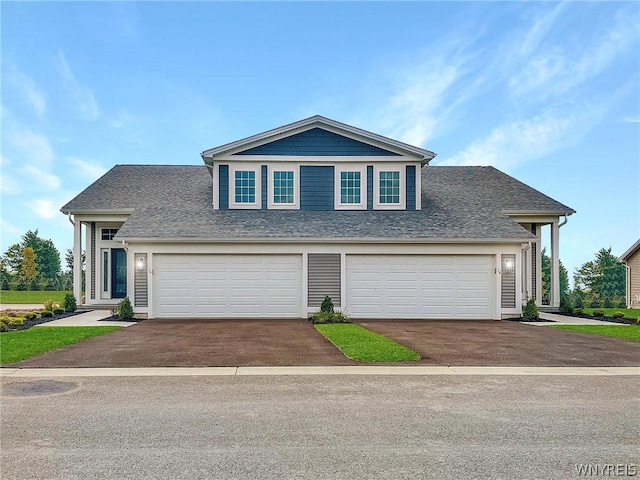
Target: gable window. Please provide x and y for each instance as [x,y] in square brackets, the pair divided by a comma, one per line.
[389,192]
[283,187]
[108,233]
[245,186]
[350,188]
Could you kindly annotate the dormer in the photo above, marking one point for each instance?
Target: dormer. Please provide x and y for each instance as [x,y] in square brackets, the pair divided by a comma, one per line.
[317,164]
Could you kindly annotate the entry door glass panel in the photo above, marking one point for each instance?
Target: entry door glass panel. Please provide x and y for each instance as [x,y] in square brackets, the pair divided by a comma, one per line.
[118,273]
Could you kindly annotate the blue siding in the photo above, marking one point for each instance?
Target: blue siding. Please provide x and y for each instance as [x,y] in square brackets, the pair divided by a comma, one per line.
[223,188]
[316,188]
[370,187]
[411,187]
[264,187]
[317,142]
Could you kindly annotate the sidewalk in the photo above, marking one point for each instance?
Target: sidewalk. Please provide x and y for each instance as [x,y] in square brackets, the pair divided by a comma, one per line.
[568,320]
[87,319]
[21,306]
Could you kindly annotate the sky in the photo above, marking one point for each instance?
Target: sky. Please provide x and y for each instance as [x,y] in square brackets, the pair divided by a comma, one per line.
[548,92]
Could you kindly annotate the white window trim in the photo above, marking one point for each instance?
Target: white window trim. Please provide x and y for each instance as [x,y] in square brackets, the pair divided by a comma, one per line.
[338,205]
[296,186]
[232,186]
[402,168]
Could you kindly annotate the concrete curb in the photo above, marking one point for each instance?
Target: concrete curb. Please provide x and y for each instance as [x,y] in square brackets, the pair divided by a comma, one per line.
[316,370]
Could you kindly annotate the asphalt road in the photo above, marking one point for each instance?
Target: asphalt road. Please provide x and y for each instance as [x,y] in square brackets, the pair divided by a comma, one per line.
[318,427]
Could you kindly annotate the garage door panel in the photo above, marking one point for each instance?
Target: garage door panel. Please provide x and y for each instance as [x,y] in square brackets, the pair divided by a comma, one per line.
[227,286]
[420,286]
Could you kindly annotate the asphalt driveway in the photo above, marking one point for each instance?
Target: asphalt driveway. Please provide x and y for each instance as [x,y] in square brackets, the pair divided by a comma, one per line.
[505,343]
[197,343]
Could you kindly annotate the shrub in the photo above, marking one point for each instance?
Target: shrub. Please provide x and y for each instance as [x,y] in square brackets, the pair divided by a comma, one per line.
[595,302]
[46,314]
[69,304]
[565,305]
[21,285]
[125,310]
[51,285]
[4,284]
[30,316]
[16,321]
[34,285]
[327,304]
[4,327]
[329,317]
[618,315]
[607,302]
[530,311]
[58,311]
[50,305]
[578,302]
[598,313]
[622,303]
[578,311]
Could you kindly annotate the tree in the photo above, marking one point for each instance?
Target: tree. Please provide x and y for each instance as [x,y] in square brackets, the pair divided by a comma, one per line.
[604,276]
[47,255]
[28,271]
[546,276]
[68,258]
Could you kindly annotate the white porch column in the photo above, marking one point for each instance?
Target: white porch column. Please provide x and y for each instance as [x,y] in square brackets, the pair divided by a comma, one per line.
[77,261]
[555,265]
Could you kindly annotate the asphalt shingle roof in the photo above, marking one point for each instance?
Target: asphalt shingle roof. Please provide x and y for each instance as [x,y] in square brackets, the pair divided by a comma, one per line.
[174,202]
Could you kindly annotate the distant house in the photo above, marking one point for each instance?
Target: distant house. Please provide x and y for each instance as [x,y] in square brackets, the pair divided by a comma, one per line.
[272,223]
[631,259]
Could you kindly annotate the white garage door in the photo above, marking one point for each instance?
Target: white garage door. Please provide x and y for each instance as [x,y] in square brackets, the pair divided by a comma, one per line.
[227,286]
[420,286]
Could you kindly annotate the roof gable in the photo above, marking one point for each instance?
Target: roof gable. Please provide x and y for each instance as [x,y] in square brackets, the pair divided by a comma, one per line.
[344,138]
[317,142]
[630,253]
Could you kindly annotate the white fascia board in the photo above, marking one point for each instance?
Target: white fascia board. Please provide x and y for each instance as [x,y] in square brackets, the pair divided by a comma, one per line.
[524,213]
[329,125]
[625,256]
[390,241]
[99,211]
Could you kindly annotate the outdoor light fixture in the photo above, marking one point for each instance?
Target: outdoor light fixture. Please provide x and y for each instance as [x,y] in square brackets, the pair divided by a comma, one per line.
[508,265]
[140,263]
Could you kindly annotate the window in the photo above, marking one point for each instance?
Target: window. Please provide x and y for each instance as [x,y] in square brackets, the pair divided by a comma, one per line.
[283,187]
[389,187]
[350,187]
[108,233]
[105,271]
[245,183]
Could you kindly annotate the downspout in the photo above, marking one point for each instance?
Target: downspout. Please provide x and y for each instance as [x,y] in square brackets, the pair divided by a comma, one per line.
[525,249]
[71,219]
[627,292]
[565,221]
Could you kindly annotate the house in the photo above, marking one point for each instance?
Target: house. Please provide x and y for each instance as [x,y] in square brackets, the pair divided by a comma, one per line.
[631,260]
[272,223]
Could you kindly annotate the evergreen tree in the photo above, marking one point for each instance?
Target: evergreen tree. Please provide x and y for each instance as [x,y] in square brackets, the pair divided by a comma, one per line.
[604,276]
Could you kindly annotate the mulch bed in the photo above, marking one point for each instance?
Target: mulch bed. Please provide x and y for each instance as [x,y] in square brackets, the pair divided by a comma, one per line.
[115,318]
[625,321]
[539,320]
[38,321]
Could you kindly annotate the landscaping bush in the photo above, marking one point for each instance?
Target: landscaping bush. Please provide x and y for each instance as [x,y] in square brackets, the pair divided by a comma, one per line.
[598,313]
[125,310]
[69,304]
[578,311]
[565,305]
[327,304]
[530,311]
[30,316]
[618,315]
[16,321]
[4,327]
[4,284]
[329,317]
[51,285]
[46,314]
[578,303]
[21,285]
[622,303]
[595,302]
[34,285]
[50,305]
[58,311]
[607,302]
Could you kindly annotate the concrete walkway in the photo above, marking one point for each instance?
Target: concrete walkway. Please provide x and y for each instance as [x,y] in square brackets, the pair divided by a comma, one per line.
[87,319]
[314,370]
[21,306]
[568,320]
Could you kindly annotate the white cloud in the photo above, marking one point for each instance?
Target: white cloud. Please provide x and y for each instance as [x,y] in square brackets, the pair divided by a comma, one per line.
[42,177]
[8,228]
[27,87]
[82,96]
[9,185]
[631,120]
[89,169]
[32,146]
[44,208]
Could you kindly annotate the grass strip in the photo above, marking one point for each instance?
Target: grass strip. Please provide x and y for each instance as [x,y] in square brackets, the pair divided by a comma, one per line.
[8,297]
[358,343]
[23,344]
[626,332]
[632,313]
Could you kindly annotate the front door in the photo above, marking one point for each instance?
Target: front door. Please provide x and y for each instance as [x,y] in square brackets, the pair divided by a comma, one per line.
[118,273]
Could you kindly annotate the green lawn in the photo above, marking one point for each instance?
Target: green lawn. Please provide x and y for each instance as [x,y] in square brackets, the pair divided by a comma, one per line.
[23,344]
[13,296]
[628,332]
[361,344]
[632,313]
